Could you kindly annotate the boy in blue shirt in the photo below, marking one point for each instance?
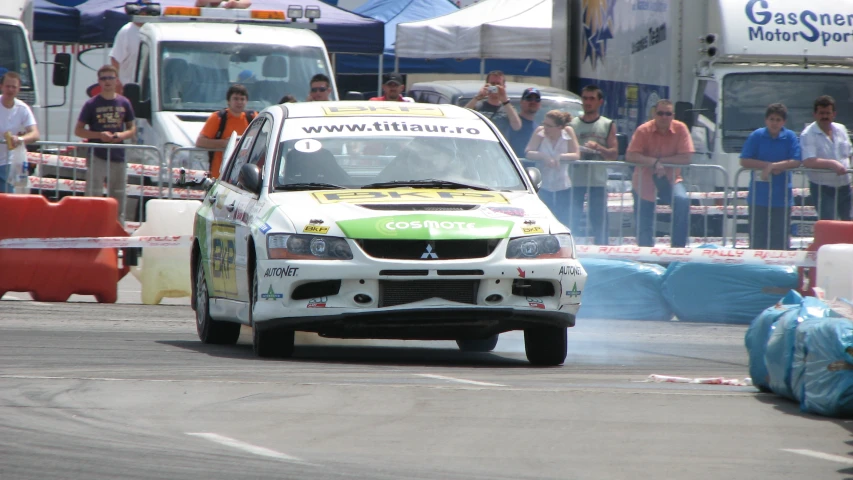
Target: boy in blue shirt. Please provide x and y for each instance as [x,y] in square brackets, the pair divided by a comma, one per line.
[771,151]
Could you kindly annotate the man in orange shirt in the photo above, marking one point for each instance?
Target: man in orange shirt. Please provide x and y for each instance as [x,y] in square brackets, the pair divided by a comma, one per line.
[218,127]
[662,140]
[392,89]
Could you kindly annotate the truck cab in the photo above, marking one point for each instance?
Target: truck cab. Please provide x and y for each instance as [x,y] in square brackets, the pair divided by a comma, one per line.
[186,65]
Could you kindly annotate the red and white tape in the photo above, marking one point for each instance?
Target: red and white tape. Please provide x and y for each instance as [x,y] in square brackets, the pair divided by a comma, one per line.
[65,185]
[96,242]
[737,382]
[731,256]
[151,171]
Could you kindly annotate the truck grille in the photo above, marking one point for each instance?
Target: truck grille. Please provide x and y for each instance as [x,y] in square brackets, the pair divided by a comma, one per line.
[439,249]
[400,293]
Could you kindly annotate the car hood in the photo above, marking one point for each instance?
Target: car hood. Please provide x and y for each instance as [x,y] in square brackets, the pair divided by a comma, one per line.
[413,214]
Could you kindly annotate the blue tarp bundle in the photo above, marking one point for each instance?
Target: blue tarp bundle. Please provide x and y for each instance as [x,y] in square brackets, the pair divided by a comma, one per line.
[808,356]
[758,334]
[720,293]
[618,289]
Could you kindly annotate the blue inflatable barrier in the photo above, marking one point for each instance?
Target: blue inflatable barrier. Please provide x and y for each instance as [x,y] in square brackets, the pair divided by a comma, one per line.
[779,352]
[827,368]
[624,290]
[758,334]
[720,293]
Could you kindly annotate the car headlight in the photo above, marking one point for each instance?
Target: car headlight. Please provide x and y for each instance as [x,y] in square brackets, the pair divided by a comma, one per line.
[307,247]
[541,246]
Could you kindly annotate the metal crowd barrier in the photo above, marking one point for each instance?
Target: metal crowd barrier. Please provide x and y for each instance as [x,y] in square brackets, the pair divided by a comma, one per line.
[681,215]
[791,223]
[61,169]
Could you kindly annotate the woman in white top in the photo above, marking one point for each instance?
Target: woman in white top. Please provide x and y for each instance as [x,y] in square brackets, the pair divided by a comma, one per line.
[552,146]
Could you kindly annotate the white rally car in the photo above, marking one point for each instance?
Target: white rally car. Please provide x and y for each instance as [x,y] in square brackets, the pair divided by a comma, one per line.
[381,220]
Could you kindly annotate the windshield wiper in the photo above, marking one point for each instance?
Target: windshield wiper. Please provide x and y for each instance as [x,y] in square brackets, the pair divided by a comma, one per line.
[309,186]
[428,183]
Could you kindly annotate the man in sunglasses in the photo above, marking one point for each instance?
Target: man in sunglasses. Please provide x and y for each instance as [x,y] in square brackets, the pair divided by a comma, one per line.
[531,101]
[658,142]
[320,88]
[107,118]
[392,89]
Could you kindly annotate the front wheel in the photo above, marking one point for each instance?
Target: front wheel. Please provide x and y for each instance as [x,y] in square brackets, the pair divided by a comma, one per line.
[268,342]
[210,330]
[478,345]
[546,346]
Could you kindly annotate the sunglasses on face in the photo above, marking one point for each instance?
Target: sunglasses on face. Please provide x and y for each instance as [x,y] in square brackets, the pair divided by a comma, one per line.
[106,78]
[664,114]
[318,89]
[533,99]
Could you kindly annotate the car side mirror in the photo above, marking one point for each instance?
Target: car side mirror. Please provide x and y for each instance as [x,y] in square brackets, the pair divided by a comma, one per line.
[250,178]
[354,96]
[684,113]
[535,177]
[622,143]
[61,69]
[141,109]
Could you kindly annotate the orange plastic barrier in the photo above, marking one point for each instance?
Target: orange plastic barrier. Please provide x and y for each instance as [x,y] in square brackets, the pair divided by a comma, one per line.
[826,232]
[53,275]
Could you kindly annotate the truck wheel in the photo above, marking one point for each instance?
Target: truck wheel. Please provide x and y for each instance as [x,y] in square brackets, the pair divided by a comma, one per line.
[478,345]
[210,330]
[546,346]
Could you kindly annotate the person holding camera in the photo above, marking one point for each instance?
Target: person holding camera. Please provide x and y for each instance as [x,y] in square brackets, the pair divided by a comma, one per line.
[493,102]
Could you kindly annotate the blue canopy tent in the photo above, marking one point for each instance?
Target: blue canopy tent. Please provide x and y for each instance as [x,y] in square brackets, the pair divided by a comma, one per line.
[392,12]
[55,23]
[342,31]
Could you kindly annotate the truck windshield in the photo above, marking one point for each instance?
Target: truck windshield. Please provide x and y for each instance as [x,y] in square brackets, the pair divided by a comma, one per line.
[747,95]
[195,76]
[14,56]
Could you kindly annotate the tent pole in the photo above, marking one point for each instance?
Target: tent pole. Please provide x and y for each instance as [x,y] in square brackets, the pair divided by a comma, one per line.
[396,63]
[381,69]
[73,72]
[483,68]
[46,96]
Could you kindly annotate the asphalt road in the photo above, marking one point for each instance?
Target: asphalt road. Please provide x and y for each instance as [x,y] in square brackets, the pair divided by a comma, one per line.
[91,391]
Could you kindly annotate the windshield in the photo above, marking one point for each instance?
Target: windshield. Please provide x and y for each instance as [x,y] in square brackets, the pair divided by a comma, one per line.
[14,55]
[340,152]
[747,95]
[195,76]
[548,103]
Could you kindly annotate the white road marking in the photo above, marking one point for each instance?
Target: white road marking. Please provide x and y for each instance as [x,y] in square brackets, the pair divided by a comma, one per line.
[246,447]
[460,380]
[821,455]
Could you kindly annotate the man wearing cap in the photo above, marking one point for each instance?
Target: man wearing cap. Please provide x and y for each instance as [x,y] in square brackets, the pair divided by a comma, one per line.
[493,102]
[531,100]
[392,89]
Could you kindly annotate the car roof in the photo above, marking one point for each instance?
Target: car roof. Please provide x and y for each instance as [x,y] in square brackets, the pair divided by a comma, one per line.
[469,88]
[367,109]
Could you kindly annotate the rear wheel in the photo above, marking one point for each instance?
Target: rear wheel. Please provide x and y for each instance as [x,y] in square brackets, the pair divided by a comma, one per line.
[546,346]
[275,343]
[478,345]
[210,330]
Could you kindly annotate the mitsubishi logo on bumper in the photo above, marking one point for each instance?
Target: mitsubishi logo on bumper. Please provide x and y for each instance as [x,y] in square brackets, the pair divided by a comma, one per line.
[428,253]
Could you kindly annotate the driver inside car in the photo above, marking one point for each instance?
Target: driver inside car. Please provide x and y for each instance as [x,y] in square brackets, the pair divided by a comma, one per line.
[426,158]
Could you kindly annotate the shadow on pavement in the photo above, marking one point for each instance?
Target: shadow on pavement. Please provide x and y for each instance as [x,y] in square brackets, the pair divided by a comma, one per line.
[362,354]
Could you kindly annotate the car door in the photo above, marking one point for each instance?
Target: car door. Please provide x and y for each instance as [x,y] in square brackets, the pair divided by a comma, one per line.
[231,230]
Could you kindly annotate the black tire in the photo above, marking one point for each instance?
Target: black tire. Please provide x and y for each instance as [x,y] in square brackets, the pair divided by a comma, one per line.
[546,346]
[209,330]
[478,345]
[268,343]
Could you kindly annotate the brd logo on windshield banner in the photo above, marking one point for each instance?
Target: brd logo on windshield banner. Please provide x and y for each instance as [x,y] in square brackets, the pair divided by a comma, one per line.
[411,195]
[420,110]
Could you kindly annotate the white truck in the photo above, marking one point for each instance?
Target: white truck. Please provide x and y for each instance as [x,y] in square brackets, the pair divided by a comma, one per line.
[724,61]
[16,51]
[188,57]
